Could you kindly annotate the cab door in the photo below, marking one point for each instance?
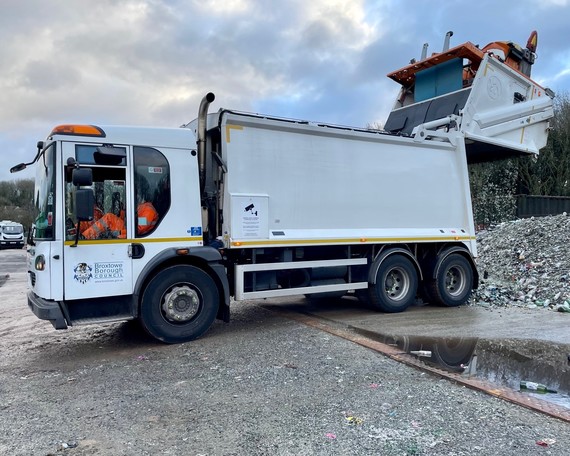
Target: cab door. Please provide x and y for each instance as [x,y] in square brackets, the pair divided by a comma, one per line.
[97,259]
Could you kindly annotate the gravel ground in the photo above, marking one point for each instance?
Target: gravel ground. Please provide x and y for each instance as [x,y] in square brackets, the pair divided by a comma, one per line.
[259,385]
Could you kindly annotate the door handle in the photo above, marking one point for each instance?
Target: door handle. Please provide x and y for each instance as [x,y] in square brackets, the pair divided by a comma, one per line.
[136,251]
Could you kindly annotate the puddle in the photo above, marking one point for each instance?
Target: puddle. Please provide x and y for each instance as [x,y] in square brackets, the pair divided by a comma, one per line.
[509,361]
[505,362]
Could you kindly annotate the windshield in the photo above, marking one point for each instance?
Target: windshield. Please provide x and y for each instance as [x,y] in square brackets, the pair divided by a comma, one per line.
[13,229]
[45,194]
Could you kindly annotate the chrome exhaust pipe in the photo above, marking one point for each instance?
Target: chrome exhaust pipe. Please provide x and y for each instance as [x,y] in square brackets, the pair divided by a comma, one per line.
[424,52]
[448,36]
[201,136]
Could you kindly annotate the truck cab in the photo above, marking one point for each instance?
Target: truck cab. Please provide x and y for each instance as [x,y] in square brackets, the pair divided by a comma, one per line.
[11,235]
[106,236]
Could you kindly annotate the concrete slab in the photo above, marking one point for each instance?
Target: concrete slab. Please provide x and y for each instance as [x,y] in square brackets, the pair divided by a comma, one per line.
[464,321]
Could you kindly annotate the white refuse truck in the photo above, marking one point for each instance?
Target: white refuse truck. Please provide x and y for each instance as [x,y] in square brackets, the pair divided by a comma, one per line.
[11,235]
[168,225]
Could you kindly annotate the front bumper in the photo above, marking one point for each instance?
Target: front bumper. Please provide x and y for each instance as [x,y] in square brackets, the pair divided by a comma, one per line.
[14,243]
[47,310]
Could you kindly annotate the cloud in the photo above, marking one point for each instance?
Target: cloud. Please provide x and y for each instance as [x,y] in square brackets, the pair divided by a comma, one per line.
[553,3]
[149,62]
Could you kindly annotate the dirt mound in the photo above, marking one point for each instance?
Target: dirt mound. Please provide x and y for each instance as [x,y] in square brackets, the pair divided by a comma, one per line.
[525,263]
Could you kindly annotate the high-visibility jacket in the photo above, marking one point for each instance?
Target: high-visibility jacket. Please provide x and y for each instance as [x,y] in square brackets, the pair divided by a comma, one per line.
[107,226]
[147,218]
[97,214]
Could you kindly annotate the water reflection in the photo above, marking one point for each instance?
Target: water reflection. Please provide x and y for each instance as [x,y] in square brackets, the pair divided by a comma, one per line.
[502,361]
[510,361]
[452,354]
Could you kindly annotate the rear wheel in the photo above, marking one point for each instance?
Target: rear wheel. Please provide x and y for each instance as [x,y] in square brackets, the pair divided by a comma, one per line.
[454,282]
[396,285]
[179,304]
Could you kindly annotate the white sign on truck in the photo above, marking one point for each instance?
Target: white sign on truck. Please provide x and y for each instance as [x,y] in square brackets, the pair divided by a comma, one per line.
[165,225]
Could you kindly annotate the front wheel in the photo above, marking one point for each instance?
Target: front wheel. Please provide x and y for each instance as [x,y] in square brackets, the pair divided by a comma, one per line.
[454,281]
[179,304]
[396,284]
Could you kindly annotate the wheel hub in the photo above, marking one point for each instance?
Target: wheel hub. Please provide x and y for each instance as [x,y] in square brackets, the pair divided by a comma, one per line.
[181,304]
[396,285]
[455,281]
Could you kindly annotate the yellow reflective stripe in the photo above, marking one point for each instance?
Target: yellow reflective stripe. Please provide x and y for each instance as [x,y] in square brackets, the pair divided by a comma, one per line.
[97,228]
[238,243]
[198,239]
[229,128]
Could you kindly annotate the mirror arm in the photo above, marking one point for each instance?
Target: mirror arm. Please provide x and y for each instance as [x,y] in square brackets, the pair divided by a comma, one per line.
[76,234]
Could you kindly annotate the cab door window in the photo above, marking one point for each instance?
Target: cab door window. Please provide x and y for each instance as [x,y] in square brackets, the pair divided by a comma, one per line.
[152,189]
[110,219]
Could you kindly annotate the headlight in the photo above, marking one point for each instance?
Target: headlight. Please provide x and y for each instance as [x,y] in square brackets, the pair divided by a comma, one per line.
[40,263]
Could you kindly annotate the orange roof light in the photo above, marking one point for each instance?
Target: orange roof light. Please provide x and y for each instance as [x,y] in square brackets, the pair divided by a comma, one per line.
[78,130]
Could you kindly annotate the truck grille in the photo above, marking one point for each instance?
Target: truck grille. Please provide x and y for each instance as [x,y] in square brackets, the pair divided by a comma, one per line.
[32,278]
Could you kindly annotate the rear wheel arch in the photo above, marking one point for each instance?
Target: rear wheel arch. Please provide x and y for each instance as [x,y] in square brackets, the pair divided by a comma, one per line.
[393,280]
[445,252]
[384,254]
[453,278]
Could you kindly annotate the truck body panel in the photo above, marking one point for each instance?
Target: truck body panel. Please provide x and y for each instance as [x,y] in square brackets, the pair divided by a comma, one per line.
[297,183]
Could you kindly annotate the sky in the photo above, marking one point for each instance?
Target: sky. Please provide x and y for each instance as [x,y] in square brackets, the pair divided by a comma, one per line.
[149,62]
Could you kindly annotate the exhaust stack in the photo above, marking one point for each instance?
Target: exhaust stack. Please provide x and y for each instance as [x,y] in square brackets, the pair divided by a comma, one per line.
[448,36]
[424,51]
[201,136]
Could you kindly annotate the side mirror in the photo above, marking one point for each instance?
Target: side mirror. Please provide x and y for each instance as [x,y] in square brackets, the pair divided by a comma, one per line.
[84,204]
[82,177]
[30,236]
[19,167]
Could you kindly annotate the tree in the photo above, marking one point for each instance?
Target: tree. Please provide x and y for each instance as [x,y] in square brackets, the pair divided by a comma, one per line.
[549,174]
[493,186]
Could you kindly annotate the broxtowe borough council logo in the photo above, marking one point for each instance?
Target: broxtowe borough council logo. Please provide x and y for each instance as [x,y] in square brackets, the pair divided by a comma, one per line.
[82,272]
[102,272]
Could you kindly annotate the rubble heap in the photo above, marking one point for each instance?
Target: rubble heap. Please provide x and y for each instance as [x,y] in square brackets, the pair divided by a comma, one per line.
[525,263]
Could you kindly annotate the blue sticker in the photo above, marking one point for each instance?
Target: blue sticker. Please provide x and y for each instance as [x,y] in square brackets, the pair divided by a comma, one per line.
[195,231]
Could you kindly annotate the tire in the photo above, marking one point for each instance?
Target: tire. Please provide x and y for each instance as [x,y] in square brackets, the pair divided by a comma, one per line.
[179,304]
[454,281]
[396,285]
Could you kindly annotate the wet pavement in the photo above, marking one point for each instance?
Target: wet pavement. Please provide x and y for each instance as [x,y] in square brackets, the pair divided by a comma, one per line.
[503,346]
[463,321]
